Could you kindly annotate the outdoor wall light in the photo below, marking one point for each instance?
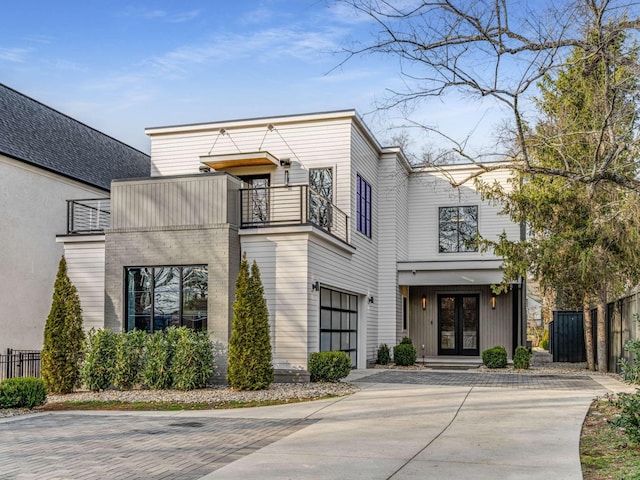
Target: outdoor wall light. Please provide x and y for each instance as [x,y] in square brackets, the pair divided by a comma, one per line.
[424,302]
[315,286]
[493,302]
[370,300]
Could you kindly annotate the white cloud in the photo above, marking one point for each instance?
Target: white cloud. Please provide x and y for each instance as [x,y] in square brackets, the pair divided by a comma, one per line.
[154,14]
[15,55]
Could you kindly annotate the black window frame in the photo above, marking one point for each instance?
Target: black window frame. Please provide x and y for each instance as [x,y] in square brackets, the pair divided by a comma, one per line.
[463,243]
[363,206]
[182,319]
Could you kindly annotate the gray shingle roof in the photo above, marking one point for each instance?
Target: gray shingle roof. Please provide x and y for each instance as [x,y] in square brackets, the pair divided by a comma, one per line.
[39,135]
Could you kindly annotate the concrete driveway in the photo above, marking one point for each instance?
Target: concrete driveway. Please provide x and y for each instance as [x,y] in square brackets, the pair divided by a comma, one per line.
[401,425]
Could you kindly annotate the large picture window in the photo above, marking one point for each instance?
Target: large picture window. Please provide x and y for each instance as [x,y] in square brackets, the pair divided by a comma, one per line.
[363,206]
[458,229]
[339,322]
[161,297]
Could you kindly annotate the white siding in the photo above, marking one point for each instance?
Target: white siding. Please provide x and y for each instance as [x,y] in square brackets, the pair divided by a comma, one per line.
[430,190]
[282,259]
[85,267]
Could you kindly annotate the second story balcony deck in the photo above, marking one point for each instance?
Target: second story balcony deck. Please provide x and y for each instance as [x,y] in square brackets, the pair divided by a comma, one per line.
[89,216]
[291,205]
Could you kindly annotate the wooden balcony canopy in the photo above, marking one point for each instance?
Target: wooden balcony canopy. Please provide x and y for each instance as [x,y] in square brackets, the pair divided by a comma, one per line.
[232,160]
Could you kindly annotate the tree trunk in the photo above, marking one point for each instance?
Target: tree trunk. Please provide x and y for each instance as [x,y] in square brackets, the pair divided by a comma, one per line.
[603,360]
[588,335]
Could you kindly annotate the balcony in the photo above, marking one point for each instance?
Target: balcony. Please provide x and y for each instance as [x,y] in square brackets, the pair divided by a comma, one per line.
[90,216]
[291,205]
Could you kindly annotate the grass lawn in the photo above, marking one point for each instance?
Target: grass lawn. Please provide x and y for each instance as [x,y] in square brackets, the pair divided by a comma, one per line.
[605,451]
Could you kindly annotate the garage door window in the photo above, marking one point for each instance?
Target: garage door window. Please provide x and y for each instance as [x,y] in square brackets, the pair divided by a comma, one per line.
[339,322]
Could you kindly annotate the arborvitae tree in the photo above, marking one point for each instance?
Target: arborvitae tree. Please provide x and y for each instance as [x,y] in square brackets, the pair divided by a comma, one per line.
[63,336]
[249,360]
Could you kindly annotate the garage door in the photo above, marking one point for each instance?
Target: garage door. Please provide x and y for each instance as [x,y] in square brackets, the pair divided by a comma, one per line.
[339,322]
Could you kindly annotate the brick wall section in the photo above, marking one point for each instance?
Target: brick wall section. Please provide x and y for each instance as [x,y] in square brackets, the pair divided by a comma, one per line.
[216,246]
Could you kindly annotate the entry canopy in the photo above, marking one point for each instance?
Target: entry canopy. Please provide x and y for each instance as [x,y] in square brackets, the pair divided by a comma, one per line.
[232,160]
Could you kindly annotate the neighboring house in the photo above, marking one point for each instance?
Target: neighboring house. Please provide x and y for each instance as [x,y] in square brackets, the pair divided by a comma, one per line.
[46,158]
[356,248]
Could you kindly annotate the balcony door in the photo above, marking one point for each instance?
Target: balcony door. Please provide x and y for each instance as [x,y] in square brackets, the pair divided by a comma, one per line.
[458,325]
[257,202]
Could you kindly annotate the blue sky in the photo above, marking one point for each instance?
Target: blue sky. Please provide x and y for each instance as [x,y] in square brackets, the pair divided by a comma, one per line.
[122,66]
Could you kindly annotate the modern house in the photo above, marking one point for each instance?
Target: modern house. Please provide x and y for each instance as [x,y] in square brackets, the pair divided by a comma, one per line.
[356,248]
[46,158]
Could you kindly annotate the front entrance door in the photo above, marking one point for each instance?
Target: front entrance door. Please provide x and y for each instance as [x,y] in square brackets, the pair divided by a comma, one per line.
[458,325]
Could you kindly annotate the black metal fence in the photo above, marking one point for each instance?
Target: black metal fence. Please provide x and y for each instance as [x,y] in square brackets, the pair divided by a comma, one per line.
[20,363]
[566,337]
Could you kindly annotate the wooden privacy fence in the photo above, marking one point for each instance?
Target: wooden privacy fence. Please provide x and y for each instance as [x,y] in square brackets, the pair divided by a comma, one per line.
[20,363]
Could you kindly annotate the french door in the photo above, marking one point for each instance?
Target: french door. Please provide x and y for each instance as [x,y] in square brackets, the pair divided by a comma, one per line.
[458,325]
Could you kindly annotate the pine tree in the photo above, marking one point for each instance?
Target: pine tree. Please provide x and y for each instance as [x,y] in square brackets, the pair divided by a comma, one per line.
[250,366]
[63,336]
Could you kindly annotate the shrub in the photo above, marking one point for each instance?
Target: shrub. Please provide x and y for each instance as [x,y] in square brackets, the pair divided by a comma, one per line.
[129,359]
[329,366]
[495,357]
[250,366]
[522,358]
[192,363]
[97,370]
[383,355]
[405,353]
[27,392]
[629,419]
[544,343]
[159,348]
[63,336]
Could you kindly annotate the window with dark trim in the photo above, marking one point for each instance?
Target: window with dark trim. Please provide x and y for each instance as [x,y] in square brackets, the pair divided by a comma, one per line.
[161,297]
[458,229]
[404,313]
[363,206]
[339,322]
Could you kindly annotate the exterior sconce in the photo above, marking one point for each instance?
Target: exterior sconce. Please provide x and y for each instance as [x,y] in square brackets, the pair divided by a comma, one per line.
[424,302]
[370,300]
[204,169]
[315,287]
[493,302]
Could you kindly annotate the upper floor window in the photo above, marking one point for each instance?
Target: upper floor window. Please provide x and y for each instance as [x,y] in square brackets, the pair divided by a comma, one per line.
[161,297]
[458,229]
[321,197]
[363,206]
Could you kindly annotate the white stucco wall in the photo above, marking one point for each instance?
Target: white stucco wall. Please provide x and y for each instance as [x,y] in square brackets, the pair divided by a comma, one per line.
[32,213]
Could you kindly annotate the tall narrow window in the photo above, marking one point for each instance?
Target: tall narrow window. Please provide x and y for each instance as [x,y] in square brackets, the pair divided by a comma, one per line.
[458,229]
[363,206]
[161,297]
[321,196]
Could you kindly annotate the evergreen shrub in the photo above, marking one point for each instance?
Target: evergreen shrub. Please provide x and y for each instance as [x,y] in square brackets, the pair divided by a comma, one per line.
[495,357]
[544,343]
[329,366]
[522,358]
[384,357]
[249,363]
[63,348]
[129,359]
[27,392]
[160,347]
[629,418]
[97,369]
[405,353]
[192,364]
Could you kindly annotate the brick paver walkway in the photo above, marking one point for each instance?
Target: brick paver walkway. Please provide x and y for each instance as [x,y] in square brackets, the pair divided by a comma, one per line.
[482,379]
[68,446]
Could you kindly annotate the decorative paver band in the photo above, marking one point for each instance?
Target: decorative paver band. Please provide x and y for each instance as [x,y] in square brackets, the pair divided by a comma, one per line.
[68,446]
[481,379]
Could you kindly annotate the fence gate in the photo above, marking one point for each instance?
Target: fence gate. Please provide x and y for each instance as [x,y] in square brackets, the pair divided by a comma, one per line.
[566,337]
